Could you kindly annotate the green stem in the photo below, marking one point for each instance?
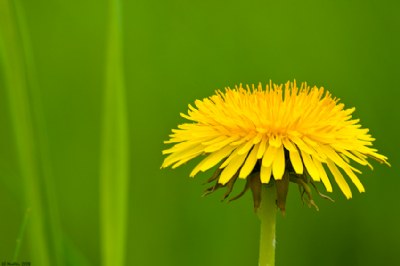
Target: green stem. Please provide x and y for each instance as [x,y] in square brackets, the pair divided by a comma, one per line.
[267,214]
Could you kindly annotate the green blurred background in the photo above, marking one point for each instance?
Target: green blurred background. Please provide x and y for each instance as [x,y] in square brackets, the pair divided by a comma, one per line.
[173,53]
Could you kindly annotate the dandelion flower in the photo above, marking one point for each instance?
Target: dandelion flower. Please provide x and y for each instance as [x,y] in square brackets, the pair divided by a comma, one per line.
[275,135]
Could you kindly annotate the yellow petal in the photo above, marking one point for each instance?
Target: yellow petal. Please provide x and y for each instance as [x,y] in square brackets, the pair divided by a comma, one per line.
[229,159]
[331,154]
[212,160]
[187,117]
[269,155]
[181,155]
[238,142]
[215,140]
[257,138]
[278,166]
[217,146]
[275,141]
[311,169]
[309,141]
[322,174]
[300,143]
[246,147]
[296,161]
[265,174]
[177,148]
[289,145]
[339,179]
[250,163]
[184,160]
[354,179]
[263,147]
[354,158]
[233,154]
[232,168]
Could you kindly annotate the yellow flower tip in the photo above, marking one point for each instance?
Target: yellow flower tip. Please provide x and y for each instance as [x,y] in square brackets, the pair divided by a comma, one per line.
[349,196]
[283,129]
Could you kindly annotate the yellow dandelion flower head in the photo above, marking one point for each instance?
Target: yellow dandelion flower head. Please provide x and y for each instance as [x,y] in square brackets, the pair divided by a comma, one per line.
[275,133]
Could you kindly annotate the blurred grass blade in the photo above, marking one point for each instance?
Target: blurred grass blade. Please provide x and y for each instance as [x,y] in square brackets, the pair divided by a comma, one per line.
[115,152]
[52,216]
[20,110]
[21,235]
